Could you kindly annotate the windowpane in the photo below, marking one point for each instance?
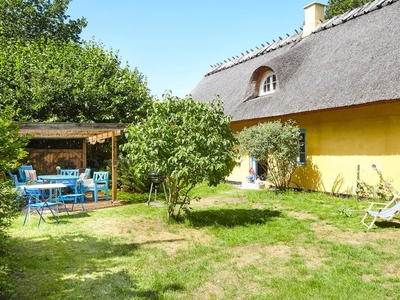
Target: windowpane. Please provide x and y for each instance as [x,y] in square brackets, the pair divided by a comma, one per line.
[301,159]
[268,84]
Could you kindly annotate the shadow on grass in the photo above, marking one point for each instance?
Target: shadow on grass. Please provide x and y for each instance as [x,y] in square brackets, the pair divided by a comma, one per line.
[231,217]
[388,224]
[74,215]
[82,265]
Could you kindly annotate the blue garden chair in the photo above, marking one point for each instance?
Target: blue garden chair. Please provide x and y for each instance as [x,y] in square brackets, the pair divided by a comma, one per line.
[21,172]
[36,201]
[70,183]
[87,173]
[15,181]
[73,199]
[98,183]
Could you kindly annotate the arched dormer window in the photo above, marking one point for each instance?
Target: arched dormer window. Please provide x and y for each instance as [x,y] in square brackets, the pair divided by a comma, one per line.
[268,84]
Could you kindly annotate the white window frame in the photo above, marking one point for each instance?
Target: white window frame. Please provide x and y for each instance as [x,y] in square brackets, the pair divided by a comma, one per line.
[302,157]
[268,84]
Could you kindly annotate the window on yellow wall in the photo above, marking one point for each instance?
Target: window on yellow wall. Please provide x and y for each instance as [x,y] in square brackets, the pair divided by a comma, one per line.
[301,159]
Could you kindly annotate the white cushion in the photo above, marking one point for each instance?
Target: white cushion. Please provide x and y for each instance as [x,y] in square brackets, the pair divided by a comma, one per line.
[30,175]
[88,183]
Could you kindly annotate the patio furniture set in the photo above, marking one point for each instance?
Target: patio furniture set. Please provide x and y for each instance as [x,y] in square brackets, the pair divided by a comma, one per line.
[49,191]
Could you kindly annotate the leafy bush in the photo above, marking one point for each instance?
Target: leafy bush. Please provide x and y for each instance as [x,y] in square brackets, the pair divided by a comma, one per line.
[9,209]
[275,146]
[12,151]
[383,190]
[186,142]
[129,179]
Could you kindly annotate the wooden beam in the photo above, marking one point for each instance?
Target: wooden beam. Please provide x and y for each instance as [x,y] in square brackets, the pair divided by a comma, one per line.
[99,138]
[114,166]
[84,154]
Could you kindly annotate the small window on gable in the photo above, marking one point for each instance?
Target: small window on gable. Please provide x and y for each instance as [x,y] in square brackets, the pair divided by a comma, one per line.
[268,84]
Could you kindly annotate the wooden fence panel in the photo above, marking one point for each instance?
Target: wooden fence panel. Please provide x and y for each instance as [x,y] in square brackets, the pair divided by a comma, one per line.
[45,161]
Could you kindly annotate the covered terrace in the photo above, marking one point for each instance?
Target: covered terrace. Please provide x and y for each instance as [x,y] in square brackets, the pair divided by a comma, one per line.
[89,132]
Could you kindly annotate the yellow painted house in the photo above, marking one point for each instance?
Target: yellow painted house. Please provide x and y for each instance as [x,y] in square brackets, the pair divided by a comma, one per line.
[339,79]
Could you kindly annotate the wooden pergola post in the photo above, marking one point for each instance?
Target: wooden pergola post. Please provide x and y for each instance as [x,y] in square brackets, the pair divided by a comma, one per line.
[84,154]
[114,166]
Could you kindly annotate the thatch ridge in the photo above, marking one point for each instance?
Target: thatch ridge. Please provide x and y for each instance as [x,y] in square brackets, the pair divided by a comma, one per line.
[351,64]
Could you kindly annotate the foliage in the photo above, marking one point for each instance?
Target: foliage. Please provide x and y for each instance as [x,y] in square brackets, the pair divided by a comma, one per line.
[9,208]
[11,144]
[337,7]
[346,211]
[11,151]
[130,179]
[337,185]
[186,142]
[39,19]
[382,190]
[275,146]
[69,82]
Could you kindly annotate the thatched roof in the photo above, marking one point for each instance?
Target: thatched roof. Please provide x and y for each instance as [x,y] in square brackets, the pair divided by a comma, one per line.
[352,59]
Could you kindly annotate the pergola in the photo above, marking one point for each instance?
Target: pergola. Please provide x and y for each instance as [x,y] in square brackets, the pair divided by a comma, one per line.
[89,132]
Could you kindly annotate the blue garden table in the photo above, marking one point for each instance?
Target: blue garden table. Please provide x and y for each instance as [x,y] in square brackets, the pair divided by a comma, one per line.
[60,179]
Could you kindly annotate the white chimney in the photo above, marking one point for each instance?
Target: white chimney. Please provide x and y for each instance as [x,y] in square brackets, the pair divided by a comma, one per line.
[313,12]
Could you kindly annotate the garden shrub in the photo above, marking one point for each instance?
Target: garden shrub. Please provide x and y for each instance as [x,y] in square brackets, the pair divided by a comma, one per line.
[9,209]
[383,190]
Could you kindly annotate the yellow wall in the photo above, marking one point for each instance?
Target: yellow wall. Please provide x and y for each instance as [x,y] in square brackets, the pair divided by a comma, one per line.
[338,141]
[241,171]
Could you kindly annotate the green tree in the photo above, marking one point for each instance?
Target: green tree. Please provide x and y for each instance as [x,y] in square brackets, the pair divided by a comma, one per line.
[11,144]
[69,82]
[275,146]
[337,7]
[39,19]
[11,151]
[185,141]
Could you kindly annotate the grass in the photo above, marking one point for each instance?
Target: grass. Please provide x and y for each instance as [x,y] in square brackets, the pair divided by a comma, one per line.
[236,244]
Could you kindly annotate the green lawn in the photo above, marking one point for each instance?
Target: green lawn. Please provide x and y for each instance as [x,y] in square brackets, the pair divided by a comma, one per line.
[236,244]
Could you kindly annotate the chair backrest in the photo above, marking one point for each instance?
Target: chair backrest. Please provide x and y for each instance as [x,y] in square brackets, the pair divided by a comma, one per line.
[72,172]
[396,206]
[100,177]
[33,195]
[21,171]
[87,173]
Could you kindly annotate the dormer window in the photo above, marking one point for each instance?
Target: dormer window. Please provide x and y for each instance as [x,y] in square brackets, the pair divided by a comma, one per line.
[268,84]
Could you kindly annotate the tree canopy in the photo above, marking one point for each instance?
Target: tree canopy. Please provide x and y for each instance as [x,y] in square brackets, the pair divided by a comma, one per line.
[29,20]
[11,151]
[337,7]
[275,146]
[69,82]
[48,75]
[11,144]
[185,141]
